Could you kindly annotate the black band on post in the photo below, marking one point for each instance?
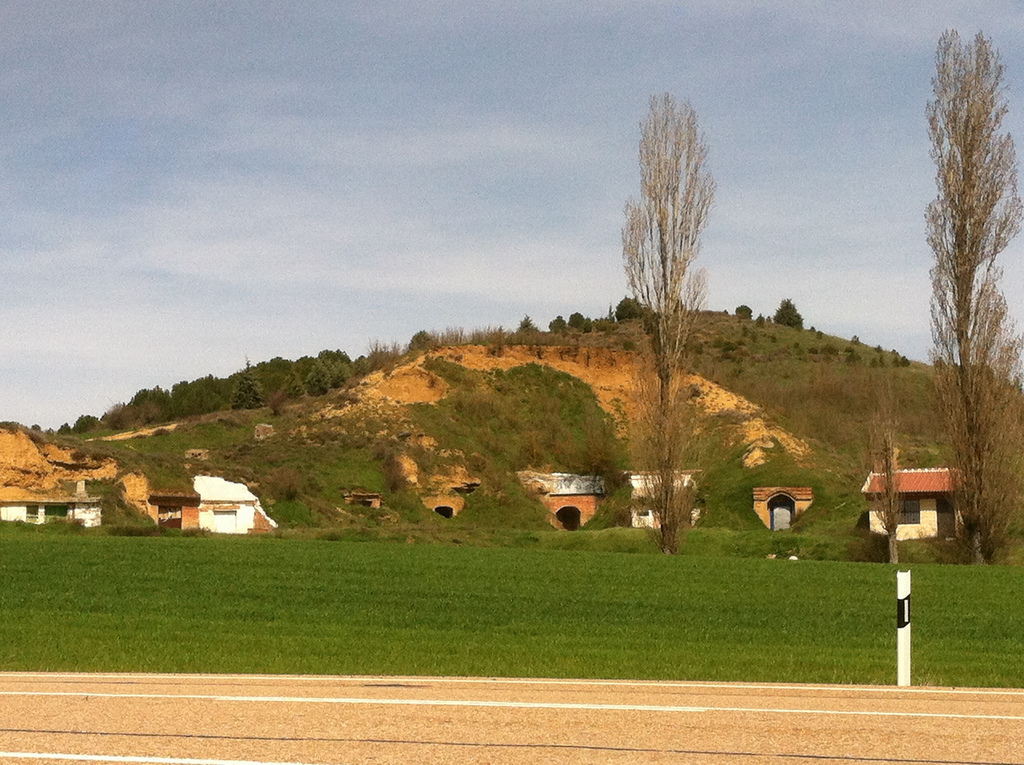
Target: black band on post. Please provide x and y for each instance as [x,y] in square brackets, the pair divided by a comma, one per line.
[903,612]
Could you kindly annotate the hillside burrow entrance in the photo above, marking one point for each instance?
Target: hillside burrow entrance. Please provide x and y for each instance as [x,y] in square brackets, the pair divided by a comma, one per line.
[781,509]
[569,517]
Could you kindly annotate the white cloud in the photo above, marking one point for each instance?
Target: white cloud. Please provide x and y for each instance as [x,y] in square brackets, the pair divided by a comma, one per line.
[187,184]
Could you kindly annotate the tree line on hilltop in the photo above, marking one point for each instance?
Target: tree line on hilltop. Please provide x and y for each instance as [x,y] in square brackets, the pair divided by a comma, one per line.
[273,383]
[268,383]
[277,381]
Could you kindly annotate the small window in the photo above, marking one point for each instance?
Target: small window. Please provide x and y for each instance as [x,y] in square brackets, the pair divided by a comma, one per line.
[169,516]
[910,513]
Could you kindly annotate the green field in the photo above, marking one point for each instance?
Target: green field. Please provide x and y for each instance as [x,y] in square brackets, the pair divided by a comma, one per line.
[267,605]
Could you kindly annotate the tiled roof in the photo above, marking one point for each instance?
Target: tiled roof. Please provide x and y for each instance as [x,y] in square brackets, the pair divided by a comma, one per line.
[799,493]
[919,481]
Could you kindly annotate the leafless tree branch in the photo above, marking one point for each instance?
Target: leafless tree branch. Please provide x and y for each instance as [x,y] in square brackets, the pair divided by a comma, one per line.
[976,349]
[660,242]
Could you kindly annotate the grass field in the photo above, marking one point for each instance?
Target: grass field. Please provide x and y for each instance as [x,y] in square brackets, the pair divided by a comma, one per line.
[266,605]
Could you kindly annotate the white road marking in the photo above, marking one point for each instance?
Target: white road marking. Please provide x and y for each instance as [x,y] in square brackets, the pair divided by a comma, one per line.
[127,758]
[356,700]
[515,705]
[88,677]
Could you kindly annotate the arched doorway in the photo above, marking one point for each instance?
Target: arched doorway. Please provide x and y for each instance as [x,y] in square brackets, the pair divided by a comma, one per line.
[445,511]
[569,517]
[781,509]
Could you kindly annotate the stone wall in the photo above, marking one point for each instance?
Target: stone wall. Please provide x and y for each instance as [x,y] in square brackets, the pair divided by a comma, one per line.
[927,528]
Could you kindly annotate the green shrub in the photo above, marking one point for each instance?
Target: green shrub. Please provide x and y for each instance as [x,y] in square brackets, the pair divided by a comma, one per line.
[628,309]
[85,424]
[248,393]
[787,316]
[580,322]
[422,341]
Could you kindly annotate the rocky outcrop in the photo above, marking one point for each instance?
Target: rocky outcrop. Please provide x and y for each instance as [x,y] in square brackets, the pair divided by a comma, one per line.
[44,467]
[609,373]
[136,493]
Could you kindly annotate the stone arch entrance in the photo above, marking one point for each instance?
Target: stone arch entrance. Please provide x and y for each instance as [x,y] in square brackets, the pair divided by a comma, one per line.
[445,511]
[569,517]
[781,509]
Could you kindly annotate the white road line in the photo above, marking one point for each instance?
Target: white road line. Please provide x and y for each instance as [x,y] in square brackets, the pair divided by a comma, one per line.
[713,686]
[518,705]
[558,682]
[386,702]
[126,758]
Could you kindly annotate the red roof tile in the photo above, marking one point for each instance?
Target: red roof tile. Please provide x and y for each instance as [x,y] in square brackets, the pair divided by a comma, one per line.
[799,493]
[921,481]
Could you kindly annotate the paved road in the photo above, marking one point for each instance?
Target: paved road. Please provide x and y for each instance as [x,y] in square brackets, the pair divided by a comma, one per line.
[192,719]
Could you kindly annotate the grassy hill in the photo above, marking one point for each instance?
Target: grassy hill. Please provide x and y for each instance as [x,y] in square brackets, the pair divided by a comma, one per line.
[823,389]
[782,407]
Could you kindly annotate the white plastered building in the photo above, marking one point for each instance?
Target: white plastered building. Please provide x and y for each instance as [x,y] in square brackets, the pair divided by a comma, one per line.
[226,507]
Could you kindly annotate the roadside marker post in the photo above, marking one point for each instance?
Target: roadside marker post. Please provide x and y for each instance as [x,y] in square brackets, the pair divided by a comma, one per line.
[903,628]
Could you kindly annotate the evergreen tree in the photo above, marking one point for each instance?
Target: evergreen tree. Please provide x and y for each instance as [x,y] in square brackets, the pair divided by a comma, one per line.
[248,393]
[557,324]
[319,379]
[628,308]
[294,387]
[788,316]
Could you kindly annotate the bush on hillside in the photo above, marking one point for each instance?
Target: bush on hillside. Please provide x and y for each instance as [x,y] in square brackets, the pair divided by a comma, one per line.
[120,417]
[788,316]
[628,308]
[527,325]
[318,381]
[422,341]
[86,423]
[248,393]
[580,322]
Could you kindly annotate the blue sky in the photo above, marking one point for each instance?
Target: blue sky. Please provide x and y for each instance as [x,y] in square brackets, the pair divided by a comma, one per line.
[186,185]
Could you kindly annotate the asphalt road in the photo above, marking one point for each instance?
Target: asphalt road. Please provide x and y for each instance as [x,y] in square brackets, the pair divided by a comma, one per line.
[192,719]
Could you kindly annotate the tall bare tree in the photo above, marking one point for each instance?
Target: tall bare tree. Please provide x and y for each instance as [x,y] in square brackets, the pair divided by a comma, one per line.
[885,460]
[976,349]
[660,242]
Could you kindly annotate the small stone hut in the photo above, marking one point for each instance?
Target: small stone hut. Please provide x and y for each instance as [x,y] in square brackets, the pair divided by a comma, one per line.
[571,499]
[926,496]
[779,506]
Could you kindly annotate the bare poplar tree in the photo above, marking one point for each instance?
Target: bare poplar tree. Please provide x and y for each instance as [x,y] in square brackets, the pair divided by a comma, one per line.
[660,242]
[885,459]
[976,349]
